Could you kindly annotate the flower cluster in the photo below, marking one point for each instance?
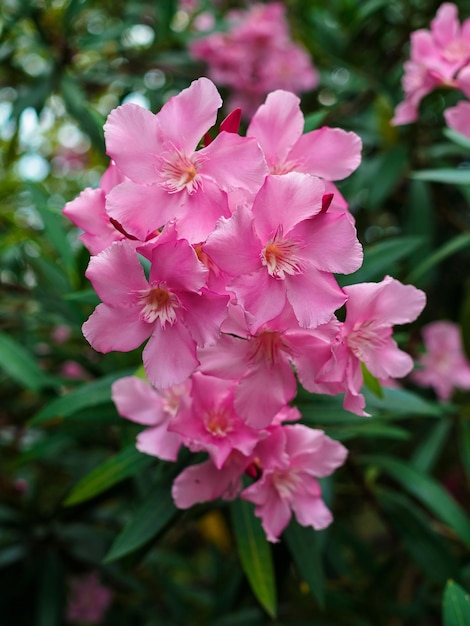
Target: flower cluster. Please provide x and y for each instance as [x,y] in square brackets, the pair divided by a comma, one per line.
[444,365]
[240,238]
[439,58]
[255,56]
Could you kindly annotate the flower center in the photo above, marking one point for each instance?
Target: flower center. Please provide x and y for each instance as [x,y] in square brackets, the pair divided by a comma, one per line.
[279,257]
[365,336]
[286,482]
[267,346]
[218,422]
[180,171]
[284,167]
[158,303]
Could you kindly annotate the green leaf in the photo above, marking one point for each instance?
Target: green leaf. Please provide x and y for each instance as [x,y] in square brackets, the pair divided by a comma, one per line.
[388,169]
[429,550]
[464,318]
[305,549]
[371,382]
[379,258]
[444,175]
[255,554]
[87,396]
[76,102]
[456,605]
[157,510]
[464,443]
[50,590]
[427,453]
[123,465]
[18,364]
[449,248]
[401,402]
[457,138]
[313,120]
[428,491]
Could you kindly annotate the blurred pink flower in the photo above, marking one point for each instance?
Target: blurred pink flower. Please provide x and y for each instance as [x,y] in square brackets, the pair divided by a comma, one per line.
[437,56]
[444,364]
[256,55]
[88,600]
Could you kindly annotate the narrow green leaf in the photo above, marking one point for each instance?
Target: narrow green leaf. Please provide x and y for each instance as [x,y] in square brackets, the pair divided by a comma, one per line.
[305,549]
[448,249]
[464,318]
[429,550]
[371,382]
[313,120]
[457,138]
[428,491]
[379,258]
[87,396]
[123,465]
[369,428]
[401,402]
[50,591]
[427,453]
[18,364]
[456,605]
[76,102]
[157,510]
[464,443]
[255,554]
[444,175]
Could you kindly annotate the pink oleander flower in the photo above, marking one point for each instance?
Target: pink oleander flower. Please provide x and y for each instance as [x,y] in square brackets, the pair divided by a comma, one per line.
[291,460]
[137,401]
[171,309]
[458,118]
[88,213]
[276,255]
[262,363]
[256,55]
[365,337]
[445,366]
[88,600]
[169,179]
[211,423]
[437,56]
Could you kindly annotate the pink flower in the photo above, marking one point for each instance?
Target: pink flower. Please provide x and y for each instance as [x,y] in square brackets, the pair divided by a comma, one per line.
[436,58]
[365,337]
[138,401]
[169,178]
[458,118]
[330,153]
[444,364]
[256,55]
[88,600]
[292,458]
[171,307]
[286,255]
[262,363]
[88,212]
[211,423]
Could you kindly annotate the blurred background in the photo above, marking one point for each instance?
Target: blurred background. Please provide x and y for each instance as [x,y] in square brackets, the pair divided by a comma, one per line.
[71,481]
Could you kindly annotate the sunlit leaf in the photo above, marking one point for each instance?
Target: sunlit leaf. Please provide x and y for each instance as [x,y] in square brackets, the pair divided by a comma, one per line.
[305,549]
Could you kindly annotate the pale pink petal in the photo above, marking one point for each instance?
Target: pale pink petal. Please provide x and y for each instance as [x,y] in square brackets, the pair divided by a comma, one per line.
[111,177]
[389,361]
[160,442]
[229,149]
[277,125]
[116,275]
[463,80]
[234,246]
[355,403]
[388,302]
[314,296]
[331,153]
[186,117]
[170,355]
[284,201]
[136,400]
[226,359]
[445,26]
[405,113]
[202,209]
[263,392]
[204,315]
[274,512]
[142,209]
[316,452]
[261,295]
[175,263]
[109,328]
[204,483]
[458,118]
[331,243]
[311,511]
[131,134]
